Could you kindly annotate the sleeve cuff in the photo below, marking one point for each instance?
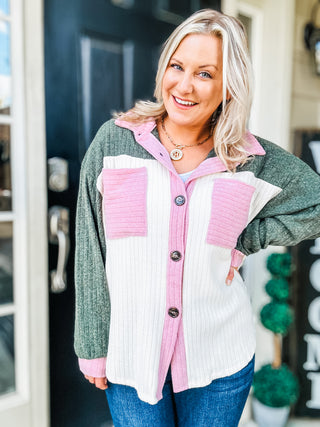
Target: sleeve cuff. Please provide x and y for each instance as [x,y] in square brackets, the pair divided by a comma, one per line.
[237,258]
[93,367]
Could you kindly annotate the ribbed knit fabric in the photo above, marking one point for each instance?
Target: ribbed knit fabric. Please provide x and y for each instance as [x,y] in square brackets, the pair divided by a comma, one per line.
[153,253]
[125,203]
[229,211]
[237,258]
[137,284]
[93,367]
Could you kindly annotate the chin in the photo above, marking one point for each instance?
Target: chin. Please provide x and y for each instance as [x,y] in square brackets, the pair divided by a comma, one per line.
[184,120]
[181,122]
[180,117]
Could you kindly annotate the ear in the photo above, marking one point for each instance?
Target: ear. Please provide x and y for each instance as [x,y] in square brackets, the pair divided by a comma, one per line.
[228,95]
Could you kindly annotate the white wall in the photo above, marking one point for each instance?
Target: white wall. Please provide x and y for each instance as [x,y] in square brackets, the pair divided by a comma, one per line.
[305,111]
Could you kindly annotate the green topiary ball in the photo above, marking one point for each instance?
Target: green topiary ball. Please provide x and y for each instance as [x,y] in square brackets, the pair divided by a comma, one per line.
[279,265]
[276,316]
[278,289]
[275,387]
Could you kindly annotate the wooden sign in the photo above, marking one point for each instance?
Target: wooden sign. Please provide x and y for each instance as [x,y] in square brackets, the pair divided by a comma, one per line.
[304,339]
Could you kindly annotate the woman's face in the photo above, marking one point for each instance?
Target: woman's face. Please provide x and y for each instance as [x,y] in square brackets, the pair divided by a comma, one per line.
[192,82]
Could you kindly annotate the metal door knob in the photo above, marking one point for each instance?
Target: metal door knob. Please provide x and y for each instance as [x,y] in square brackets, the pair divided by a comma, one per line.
[59,234]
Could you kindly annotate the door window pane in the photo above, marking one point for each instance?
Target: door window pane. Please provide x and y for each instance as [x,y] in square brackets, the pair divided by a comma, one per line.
[5,68]
[5,169]
[4,7]
[6,263]
[7,376]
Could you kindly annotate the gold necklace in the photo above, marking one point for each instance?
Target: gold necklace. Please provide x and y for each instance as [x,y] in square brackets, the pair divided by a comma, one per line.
[176,153]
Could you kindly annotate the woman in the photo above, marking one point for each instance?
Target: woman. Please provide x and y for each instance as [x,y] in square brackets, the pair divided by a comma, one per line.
[173,195]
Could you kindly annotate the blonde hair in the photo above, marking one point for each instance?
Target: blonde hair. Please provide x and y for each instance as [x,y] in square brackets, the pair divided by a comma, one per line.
[231,117]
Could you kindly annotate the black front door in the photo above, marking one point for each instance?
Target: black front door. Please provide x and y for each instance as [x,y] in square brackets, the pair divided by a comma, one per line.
[100,56]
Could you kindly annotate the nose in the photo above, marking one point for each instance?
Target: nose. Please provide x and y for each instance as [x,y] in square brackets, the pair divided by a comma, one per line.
[186,83]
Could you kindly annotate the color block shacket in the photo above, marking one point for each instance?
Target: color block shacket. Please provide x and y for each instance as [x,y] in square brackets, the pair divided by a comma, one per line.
[153,253]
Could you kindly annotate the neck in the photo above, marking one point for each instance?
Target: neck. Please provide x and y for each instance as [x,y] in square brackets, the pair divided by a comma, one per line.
[186,134]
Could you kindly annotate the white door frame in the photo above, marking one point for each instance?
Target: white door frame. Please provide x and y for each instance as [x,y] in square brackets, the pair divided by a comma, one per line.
[37,212]
[29,404]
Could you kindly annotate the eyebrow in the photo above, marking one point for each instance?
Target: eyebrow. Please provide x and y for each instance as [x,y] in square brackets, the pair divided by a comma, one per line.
[208,65]
[201,66]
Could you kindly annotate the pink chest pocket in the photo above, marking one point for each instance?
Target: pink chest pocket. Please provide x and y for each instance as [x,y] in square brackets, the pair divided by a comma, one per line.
[229,211]
[125,202]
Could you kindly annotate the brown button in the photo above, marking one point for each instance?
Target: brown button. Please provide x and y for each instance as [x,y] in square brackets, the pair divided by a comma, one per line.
[175,256]
[173,312]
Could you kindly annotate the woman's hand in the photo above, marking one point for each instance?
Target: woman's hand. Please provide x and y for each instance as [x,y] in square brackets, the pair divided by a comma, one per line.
[101,383]
[230,275]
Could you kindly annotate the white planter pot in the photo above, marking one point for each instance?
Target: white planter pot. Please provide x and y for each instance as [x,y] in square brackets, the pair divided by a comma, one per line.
[266,416]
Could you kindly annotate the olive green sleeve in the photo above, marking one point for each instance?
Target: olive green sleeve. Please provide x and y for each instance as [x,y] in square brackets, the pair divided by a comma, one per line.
[92,315]
[294,214]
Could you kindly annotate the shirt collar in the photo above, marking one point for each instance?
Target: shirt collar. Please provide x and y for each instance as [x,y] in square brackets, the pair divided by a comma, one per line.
[146,135]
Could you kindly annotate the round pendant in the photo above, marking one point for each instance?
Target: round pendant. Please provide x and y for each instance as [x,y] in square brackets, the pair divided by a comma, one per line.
[176,154]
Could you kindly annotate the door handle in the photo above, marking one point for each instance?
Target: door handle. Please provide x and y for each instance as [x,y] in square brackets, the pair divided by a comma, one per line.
[59,234]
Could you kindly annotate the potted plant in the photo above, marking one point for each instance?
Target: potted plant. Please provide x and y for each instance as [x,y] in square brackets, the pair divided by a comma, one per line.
[275,387]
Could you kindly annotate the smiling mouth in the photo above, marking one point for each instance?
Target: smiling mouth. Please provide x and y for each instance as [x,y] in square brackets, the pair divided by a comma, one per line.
[183,102]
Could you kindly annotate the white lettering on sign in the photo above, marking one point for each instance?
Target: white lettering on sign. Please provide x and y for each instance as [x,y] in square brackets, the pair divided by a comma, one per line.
[314,403]
[313,340]
[313,352]
[314,314]
[315,150]
[315,250]
[314,275]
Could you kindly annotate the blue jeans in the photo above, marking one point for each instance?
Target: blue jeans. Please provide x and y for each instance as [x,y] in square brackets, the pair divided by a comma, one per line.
[220,404]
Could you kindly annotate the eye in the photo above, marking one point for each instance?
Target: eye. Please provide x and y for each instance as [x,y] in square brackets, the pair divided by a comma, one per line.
[205,75]
[176,66]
